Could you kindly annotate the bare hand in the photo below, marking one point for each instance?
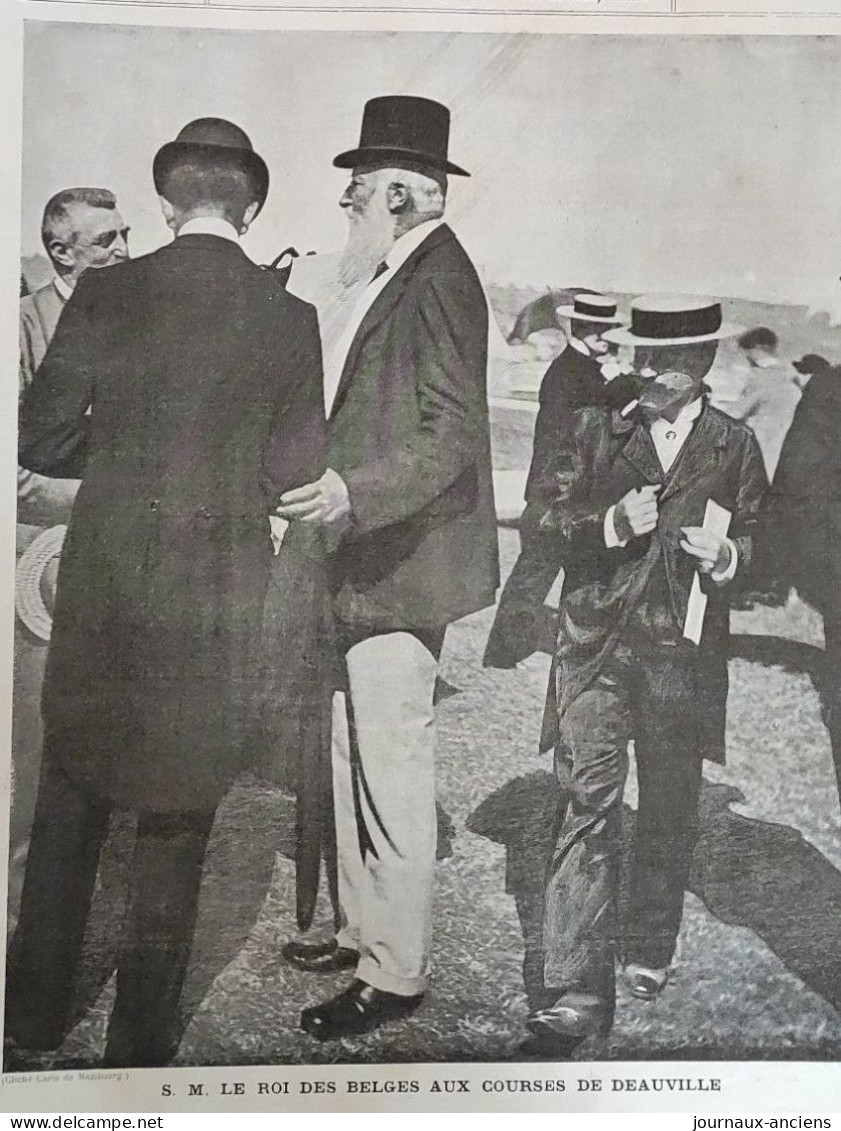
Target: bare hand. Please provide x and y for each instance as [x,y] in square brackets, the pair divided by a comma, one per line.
[711,550]
[636,513]
[323,503]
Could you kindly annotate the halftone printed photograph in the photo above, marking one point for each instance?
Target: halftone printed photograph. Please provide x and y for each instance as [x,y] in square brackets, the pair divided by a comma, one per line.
[427,640]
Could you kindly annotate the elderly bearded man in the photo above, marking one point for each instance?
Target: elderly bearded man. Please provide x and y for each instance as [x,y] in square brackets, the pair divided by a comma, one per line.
[627,501]
[409,487]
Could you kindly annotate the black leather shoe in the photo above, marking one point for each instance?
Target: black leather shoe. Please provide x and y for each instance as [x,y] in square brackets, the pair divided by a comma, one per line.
[646,983]
[319,958]
[358,1010]
[570,1021]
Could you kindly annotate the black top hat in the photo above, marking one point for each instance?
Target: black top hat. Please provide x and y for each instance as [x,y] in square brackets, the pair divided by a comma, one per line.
[213,137]
[400,128]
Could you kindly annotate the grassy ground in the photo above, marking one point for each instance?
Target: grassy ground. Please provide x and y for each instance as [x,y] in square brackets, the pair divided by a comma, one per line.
[759,965]
[758,973]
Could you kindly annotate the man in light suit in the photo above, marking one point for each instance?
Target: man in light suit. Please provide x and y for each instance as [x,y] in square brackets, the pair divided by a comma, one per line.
[81,228]
[204,377]
[409,490]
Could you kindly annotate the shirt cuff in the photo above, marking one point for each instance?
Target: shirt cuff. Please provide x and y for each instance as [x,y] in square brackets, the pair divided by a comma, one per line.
[611,538]
[730,572]
[278,526]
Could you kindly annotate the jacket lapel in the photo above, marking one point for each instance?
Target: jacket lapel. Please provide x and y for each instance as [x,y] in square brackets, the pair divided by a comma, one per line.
[695,456]
[640,452]
[382,307]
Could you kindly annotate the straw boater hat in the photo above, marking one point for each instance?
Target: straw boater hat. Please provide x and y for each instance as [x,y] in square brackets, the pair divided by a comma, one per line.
[213,137]
[591,308]
[399,128]
[30,598]
[673,320]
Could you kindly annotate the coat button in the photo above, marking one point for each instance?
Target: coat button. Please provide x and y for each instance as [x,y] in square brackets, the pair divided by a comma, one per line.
[153,506]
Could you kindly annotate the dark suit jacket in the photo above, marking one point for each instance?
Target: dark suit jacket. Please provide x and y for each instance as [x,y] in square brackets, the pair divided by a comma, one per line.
[204,378]
[409,435]
[802,527]
[639,593]
[521,625]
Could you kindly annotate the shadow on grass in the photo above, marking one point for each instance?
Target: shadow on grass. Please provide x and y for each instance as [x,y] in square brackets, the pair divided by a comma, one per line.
[522,816]
[749,873]
[255,823]
[770,879]
[770,651]
[253,826]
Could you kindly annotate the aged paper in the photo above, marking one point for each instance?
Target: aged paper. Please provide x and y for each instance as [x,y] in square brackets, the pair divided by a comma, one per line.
[625,148]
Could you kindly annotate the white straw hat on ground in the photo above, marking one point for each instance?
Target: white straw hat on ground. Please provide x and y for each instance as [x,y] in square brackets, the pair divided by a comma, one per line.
[29,575]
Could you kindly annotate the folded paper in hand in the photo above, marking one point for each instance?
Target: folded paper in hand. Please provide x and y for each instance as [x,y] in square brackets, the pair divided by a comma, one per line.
[716,520]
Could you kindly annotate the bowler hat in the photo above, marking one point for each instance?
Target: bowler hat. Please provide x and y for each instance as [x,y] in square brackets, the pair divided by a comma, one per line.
[213,137]
[672,320]
[399,128]
[590,308]
[811,363]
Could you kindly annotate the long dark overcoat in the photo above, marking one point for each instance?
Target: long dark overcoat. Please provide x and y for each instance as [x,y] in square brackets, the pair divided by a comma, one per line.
[802,531]
[409,435]
[606,457]
[521,624]
[203,377]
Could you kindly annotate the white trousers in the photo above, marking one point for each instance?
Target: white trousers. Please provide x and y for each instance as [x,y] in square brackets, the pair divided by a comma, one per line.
[384,795]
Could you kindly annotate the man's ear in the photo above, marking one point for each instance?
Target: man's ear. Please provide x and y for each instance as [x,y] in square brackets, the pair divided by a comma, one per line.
[398,197]
[248,216]
[168,211]
[60,254]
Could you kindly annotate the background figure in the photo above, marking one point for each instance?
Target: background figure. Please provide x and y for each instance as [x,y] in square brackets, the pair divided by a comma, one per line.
[802,528]
[80,228]
[760,346]
[764,394]
[627,500]
[809,366]
[409,490]
[204,378]
[586,373]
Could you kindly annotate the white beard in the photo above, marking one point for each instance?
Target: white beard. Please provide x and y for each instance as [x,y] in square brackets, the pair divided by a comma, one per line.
[370,239]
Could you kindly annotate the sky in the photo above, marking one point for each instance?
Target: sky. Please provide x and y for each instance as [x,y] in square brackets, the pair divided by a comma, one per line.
[703,165]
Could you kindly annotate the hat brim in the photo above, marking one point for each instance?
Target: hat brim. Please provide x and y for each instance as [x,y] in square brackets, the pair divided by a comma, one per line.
[29,601]
[376,155]
[175,151]
[624,337]
[571,312]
